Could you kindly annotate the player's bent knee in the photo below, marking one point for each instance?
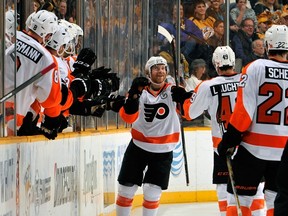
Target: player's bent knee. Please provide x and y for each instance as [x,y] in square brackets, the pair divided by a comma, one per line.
[127,191]
[151,192]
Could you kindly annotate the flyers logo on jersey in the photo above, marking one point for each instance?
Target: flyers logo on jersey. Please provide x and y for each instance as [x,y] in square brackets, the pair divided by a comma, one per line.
[159,111]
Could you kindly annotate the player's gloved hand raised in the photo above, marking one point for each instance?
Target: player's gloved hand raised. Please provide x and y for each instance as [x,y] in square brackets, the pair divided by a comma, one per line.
[115,103]
[84,61]
[80,86]
[138,84]
[103,82]
[230,140]
[179,94]
[29,126]
[50,126]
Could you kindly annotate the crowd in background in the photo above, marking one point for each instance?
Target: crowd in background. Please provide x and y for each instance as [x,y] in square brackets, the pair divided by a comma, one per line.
[202,30]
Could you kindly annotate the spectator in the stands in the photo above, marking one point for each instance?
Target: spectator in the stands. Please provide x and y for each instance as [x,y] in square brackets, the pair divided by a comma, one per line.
[266,5]
[264,22]
[190,34]
[202,20]
[214,10]
[242,40]
[216,40]
[258,50]
[63,9]
[241,12]
[284,16]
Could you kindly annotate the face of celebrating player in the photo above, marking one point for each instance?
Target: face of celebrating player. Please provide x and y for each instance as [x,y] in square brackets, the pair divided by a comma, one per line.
[158,74]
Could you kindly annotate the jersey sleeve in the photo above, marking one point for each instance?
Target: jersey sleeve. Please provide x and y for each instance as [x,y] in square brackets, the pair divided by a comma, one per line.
[246,101]
[128,118]
[199,101]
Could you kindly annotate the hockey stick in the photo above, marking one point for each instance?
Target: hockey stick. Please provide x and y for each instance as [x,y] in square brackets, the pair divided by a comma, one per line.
[28,82]
[170,38]
[230,150]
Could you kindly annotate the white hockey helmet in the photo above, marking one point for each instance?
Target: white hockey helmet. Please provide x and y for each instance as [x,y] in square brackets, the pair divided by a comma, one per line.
[79,31]
[73,35]
[10,23]
[155,60]
[223,56]
[276,38]
[43,23]
[59,38]
[28,21]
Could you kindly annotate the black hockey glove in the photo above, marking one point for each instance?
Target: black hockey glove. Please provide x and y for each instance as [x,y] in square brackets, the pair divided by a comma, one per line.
[50,126]
[103,73]
[80,86]
[84,61]
[138,84]
[131,105]
[179,94]
[115,103]
[63,123]
[230,140]
[100,73]
[87,107]
[98,111]
[29,126]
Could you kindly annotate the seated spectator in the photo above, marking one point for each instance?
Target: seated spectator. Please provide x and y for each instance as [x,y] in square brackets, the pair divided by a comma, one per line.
[202,20]
[190,33]
[214,10]
[216,40]
[196,71]
[62,10]
[284,16]
[264,23]
[266,5]
[258,50]
[241,12]
[242,41]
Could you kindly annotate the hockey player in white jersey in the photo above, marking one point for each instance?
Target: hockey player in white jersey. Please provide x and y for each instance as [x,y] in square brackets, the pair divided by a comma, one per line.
[258,125]
[32,58]
[155,133]
[218,96]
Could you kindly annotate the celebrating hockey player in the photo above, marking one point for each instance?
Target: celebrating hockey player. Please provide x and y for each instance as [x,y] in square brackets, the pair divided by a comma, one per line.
[155,133]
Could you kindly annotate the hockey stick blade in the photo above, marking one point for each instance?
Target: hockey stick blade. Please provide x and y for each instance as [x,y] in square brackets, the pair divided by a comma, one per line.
[26,83]
[165,33]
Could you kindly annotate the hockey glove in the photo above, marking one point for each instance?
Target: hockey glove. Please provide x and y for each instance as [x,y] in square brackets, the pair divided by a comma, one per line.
[179,94]
[80,86]
[87,106]
[100,73]
[63,123]
[29,126]
[98,111]
[138,84]
[230,140]
[114,103]
[50,126]
[84,61]
[103,73]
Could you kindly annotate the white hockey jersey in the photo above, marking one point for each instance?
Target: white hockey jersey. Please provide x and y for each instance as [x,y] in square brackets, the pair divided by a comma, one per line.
[32,58]
[156,127]
[205,97]
[261,110]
